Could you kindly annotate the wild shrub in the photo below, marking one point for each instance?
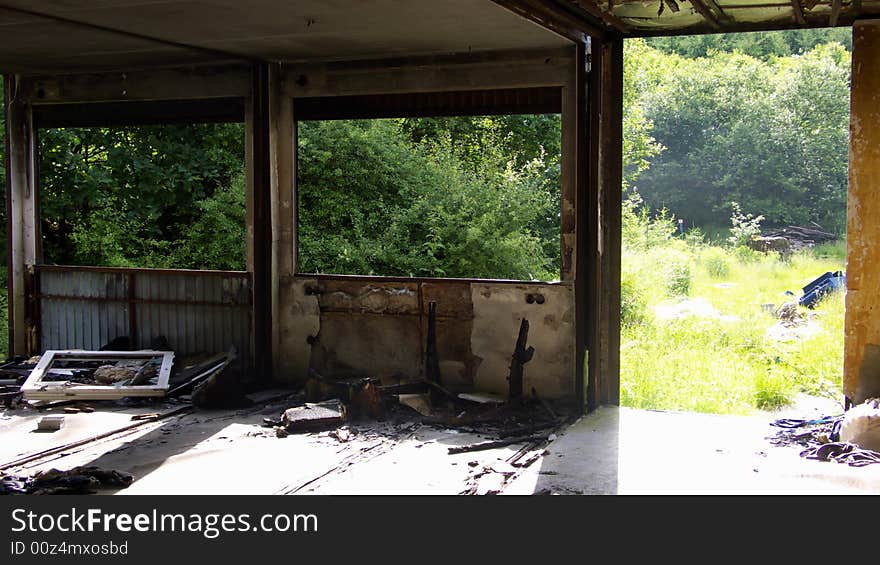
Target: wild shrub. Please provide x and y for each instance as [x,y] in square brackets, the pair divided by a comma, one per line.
[633,302]
[678,278]
[744,226]
[716,263]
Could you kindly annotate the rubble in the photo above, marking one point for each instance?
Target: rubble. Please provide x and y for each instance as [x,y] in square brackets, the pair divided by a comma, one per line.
[50,423]
[313,416]
[79,480]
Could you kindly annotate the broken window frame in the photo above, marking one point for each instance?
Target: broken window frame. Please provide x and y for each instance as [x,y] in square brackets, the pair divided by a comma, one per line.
[34,388]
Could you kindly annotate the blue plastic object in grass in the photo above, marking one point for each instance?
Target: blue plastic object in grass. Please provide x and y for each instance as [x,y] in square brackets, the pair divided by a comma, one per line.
[826,284]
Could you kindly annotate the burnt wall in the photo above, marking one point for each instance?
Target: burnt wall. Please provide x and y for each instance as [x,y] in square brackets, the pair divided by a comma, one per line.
[348,326]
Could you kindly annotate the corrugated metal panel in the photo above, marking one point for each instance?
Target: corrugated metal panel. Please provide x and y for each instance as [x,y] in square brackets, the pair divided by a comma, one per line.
[85,307]
[82,310]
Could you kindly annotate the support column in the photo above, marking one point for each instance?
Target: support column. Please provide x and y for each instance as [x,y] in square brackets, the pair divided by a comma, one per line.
[589,239]
[22,218]
[271,216]
[259,164]
[611,186]
[862,326]
[288,366]
[579,152]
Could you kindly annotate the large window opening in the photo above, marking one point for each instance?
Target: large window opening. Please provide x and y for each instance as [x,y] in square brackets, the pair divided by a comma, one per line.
[458,197]
[735,200]
[150,196]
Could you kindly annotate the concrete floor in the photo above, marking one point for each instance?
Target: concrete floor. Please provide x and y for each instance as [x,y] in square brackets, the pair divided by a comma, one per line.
[611,451]
[625,451]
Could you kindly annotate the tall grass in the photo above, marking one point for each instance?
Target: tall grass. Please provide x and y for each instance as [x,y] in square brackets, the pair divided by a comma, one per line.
[724,361]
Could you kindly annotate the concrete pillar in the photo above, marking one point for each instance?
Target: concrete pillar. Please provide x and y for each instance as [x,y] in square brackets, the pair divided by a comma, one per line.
[862,326]
[23,227]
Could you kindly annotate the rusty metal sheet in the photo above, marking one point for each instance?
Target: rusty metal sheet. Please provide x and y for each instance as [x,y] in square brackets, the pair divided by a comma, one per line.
[197,311]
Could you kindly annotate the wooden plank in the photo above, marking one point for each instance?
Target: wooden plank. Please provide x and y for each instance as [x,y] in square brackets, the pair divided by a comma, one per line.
[723,18]
[593,8]
[798,12]
[707,14]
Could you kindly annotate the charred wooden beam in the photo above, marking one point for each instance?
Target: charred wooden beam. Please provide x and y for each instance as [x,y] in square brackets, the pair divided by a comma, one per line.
[496,443]
[835,12]
[555,19]
[798,12]
[707,14]
[521,356]
[592,8]
[611,179]
[723,18]
[262,220]
[432,360]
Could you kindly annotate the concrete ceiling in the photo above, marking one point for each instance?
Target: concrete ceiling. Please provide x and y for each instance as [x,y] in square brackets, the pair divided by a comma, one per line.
[71,35]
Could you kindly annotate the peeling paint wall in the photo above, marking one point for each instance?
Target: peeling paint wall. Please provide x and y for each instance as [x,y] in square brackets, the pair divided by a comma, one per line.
[348,326]
[862,327]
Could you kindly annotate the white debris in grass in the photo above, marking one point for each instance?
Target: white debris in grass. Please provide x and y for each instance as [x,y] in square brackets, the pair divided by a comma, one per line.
[690,308]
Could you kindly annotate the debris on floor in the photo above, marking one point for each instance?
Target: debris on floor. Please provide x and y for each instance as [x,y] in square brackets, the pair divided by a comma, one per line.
[313,416]
[50,423]
[79,480]
[824,438]
[98,375]
[861,425]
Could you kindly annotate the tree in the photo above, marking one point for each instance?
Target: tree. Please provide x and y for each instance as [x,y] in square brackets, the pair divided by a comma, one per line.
[771,135]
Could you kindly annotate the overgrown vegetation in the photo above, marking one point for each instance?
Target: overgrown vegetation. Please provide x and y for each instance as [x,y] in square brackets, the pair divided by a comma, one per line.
[719,347]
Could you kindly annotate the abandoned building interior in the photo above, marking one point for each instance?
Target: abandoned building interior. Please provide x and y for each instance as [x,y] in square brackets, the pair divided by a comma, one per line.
[271,65]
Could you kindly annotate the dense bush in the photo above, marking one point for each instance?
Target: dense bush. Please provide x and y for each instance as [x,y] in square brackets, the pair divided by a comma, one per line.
[716,263]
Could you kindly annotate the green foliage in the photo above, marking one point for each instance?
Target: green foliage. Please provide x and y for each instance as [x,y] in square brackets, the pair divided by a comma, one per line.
[641,230]
[678,278]
[761,45]
[633,301]
[372,202]
[770,133]
[721,358]
[129,196]
[744,227]
[716,263]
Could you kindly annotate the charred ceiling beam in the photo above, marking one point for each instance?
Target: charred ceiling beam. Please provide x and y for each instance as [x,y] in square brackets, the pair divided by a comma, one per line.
[126,33]
[798,12]
[591,7]
[835,12]
[552,16]
[707,14]
[722,16]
